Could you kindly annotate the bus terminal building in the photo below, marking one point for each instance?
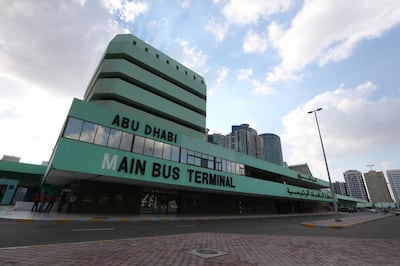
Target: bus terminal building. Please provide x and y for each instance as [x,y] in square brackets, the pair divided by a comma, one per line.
[137,143]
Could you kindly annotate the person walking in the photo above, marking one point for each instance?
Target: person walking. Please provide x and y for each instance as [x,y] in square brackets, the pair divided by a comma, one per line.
[52,199]
[63,200]
[43,201]
[36,201]
[71,200]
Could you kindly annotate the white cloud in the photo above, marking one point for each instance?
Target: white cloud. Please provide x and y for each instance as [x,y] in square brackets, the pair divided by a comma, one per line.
[342,25]
[217,29]
[240,13]
[222,73]
[351,125]
[192,57]
[250,11]
[260,88]
[254,43]
[127,11]
[245,74]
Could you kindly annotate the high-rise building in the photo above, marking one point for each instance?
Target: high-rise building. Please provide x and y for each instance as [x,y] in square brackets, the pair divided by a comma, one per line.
[245,139]
[340,188]
[355,184]
[272,148]
[394,180]
[377,187]
[218,139]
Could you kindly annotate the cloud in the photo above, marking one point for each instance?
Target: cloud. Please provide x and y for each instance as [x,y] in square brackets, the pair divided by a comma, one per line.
[241,13]
[192,57]
[304,43]
[245,74]
[222,73]
[351,126]
[250,11]
[254,43]
[125,10]
[260,88]
[57,50]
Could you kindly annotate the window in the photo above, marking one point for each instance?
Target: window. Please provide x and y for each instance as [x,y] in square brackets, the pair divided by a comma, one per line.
[138,145]
[183,155]
[88,132]
[175,154]
[224,167]
[73,128]
[102,134]
[126,141]
[190,157]
[204,160]
[167,151]
[218,164]
[210,162]
[158,149]
[197,158]
[148,147]
[114,139]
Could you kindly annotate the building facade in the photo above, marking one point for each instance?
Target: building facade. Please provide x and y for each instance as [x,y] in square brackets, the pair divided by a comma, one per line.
[137,144]
[272,148]
[340,188]
[245,139]
[355,184]
[377,187]
[394,181]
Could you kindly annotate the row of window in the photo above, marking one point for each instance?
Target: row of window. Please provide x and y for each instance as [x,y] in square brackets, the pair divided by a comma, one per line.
[167,61]
[85,131]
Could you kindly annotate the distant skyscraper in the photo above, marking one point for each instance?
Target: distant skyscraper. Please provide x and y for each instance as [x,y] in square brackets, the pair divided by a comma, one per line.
[340,188]
[394,180]
[272,148]
[355,184]
[245,139]
[377,187]
[218,139]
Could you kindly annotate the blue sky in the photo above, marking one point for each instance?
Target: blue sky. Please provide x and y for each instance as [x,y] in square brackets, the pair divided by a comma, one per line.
[266,63]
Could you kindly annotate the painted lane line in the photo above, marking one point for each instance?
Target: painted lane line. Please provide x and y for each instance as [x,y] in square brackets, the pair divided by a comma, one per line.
[93,229]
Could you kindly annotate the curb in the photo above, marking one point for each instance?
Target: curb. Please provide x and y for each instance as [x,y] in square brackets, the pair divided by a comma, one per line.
[344,226]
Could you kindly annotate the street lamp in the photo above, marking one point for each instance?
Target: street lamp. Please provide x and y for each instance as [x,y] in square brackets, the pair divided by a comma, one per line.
[335,207]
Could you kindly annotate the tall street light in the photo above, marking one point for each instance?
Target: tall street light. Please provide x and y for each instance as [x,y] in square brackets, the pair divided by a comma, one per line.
[335,207]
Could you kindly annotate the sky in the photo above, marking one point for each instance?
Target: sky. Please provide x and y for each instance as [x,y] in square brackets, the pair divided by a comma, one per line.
[266,63]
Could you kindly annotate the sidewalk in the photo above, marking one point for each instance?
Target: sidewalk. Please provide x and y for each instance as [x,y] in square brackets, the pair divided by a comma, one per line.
[346,222]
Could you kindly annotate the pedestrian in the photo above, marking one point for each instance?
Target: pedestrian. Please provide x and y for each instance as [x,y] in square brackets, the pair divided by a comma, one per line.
[52,199]
[63,200]
[43,201]
[71,200]
[36,201]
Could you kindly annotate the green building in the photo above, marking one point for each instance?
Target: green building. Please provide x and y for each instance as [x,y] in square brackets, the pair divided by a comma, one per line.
[137,143]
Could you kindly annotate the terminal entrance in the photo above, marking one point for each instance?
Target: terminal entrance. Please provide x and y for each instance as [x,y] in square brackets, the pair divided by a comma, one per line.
[157,201]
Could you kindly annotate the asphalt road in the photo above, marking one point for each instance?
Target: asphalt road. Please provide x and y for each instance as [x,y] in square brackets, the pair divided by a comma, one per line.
[15,234]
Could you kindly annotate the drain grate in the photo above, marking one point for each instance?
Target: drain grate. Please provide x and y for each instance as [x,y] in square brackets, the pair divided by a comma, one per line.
[207,253]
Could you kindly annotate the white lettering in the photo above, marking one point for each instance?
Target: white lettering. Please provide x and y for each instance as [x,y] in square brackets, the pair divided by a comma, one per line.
[107,164]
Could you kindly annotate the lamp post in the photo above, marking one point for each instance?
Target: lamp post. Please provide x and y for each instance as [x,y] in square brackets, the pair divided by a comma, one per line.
[335,207]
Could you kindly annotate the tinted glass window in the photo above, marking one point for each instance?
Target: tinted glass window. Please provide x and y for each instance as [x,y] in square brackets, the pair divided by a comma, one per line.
[167,151]
[102,134]
[148,147]
[210,162]
[126,141]
[73,128]
[190,157]
[158,149]
[138,145]
[183,155]
[115,138]
[175,154]
[88,132]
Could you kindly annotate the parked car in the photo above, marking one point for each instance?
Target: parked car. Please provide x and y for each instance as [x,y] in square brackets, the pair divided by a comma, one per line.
[347,209]
[373,210]
[397,212]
